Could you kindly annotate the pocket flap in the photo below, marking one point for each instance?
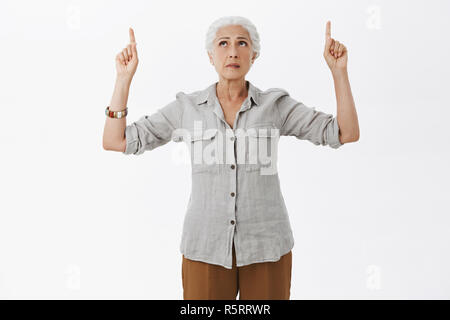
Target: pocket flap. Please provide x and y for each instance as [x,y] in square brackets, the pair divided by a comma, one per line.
[262,131]
[206,134]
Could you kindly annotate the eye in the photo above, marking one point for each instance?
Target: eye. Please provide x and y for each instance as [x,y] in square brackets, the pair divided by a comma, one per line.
[220,43]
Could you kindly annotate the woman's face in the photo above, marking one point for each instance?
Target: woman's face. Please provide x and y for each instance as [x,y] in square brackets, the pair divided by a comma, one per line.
[232,45]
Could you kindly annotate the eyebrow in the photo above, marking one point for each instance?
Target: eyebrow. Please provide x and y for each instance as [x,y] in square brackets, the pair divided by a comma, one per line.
[229,38]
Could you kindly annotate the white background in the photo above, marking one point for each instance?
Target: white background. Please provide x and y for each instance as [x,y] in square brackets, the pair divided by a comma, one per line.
[370,219]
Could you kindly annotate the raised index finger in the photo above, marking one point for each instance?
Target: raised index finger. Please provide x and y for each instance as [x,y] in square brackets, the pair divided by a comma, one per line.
[132,39]
[328,30]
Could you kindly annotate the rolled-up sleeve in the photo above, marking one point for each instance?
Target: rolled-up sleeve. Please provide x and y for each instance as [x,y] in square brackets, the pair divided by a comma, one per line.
[154,130]
[307,123]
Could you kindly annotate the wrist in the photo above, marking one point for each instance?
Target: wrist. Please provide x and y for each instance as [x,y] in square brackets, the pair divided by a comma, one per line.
[339,73]
[123,81]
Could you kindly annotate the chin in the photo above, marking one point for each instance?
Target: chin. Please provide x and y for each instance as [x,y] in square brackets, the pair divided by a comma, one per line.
[233,75]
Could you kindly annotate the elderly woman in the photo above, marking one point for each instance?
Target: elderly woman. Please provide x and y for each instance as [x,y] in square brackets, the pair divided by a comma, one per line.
[236,232]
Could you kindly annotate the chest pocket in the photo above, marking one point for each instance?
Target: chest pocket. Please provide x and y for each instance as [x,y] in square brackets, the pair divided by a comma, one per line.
[262,148]
[204,150]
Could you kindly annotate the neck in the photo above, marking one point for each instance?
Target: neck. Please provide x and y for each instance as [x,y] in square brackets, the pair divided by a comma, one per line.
[232,90]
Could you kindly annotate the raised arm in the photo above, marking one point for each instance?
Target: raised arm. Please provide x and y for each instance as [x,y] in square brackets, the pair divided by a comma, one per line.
[126,64]
[336,56]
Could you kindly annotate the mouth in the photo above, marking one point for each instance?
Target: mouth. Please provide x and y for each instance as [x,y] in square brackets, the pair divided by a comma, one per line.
[233,65]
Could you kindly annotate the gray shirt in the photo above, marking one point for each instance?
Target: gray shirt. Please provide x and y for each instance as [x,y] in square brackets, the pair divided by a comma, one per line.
[235,195]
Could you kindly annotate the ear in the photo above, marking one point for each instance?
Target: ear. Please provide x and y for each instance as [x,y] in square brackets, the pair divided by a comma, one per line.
[211,60]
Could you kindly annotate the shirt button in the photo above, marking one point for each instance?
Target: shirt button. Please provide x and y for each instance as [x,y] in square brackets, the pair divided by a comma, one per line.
[232,194]
[232,138]
[232,166]
[232,221]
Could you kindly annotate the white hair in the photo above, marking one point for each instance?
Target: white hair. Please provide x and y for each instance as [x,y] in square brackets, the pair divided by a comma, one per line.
[232,20]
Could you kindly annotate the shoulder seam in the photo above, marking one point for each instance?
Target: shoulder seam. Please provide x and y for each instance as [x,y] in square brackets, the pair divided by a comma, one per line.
[182,109]
[274,89]
[281,123]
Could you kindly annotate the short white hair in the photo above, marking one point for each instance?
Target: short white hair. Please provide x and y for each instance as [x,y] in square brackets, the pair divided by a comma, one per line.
[232,20]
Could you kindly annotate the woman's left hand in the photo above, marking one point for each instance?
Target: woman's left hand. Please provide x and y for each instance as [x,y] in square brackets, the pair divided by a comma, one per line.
[335,53]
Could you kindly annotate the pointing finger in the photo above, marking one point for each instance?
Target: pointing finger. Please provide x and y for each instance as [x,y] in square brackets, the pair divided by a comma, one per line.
[328,39]
[328,30]
[133,50]
[132,38]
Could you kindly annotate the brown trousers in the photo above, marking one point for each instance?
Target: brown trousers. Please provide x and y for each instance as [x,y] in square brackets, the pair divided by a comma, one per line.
[257,281]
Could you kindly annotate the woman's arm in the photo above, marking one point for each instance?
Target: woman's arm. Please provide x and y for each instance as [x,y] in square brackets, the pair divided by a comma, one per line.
[346,112]
[336,56]
[114,131]
[126,64]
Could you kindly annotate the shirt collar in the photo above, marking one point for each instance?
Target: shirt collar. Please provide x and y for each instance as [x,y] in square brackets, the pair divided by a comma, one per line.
[209,94]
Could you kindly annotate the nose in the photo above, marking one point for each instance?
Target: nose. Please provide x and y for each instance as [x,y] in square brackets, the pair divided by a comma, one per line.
[233,51]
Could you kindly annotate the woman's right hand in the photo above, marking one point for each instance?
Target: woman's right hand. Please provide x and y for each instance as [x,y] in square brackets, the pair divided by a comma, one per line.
[127,59]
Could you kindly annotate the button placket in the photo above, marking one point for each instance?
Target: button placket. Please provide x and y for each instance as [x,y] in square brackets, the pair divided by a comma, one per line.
[233,185]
